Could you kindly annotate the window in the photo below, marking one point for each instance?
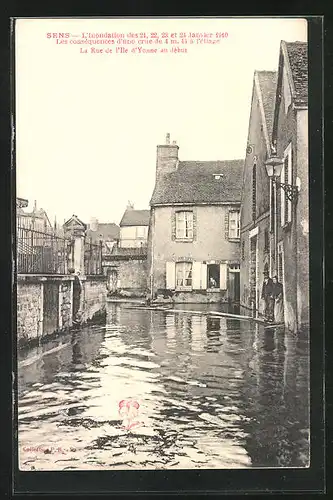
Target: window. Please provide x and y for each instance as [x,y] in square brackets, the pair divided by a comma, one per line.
[266,241]
[286,178]
[272,205]
[141,231]
[280,263]
[254,192]
[184,225]
[234,224]
[213,276]
[184,274]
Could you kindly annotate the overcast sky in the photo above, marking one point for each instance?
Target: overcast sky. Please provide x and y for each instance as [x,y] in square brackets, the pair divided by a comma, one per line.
[87,125]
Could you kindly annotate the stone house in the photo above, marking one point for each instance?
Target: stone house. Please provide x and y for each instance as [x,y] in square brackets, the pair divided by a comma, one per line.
[134,228]
[255,231]
[194,232]
[290,137]
[126,265]
[105,233]
[37,219]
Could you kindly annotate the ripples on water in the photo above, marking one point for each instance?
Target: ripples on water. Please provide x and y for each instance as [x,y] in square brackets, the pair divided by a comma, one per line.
[213,393]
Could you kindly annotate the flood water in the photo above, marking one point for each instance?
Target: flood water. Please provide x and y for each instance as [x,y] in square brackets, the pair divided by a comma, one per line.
[207,393]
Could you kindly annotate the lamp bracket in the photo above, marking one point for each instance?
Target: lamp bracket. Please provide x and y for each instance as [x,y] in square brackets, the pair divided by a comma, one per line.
[290,190]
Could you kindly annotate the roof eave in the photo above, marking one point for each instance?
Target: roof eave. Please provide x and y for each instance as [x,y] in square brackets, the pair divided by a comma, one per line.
[191,203]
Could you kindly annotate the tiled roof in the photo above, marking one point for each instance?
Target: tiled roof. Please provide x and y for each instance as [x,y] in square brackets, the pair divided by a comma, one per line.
[133,217]
[267,82]
[298,60]
[194,182]
[104,232]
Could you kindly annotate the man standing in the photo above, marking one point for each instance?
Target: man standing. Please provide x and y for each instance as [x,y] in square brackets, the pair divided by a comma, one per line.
[278,299]
[267,296]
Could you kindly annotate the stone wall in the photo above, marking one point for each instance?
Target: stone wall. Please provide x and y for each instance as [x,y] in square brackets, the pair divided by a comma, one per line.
[32,308]
[29,311]
[65,304]
[202,297]
[132,275]
[94,297]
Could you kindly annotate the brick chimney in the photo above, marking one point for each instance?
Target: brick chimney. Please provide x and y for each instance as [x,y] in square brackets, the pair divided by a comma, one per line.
[167,157]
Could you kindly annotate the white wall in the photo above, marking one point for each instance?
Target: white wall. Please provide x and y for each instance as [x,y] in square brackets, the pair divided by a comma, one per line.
[133,236]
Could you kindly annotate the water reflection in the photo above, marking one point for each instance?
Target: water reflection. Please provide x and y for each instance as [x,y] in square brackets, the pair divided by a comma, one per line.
[213,392]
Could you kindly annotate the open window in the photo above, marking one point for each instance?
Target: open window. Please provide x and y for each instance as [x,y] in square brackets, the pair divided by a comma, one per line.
[213,276]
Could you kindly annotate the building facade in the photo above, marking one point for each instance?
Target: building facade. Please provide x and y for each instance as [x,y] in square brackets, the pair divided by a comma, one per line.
[290,137]
[36,220]
[255,233]
[105,233]
[193,242]
[275,207]
[134,228]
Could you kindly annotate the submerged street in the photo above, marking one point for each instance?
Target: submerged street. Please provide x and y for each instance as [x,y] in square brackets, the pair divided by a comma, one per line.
[207,392]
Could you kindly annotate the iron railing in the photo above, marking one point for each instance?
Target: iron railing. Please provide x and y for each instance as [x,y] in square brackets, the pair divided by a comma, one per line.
[93,258]
[40,252]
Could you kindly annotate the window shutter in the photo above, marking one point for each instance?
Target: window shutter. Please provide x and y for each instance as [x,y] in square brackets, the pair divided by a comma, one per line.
[226,225]
[196,275]
[223,276]
[194,224]
[173,226]
[282,197]
[170,275]
[203,276]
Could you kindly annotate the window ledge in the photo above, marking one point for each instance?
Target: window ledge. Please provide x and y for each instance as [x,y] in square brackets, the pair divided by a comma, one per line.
[184,240]
[234,240]
[211,290]
[183,289]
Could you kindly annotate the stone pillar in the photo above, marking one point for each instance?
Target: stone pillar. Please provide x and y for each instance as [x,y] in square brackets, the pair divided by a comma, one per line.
[79,239]
[77,234]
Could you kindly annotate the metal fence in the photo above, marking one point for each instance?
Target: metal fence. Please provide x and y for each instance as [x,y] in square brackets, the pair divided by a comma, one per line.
[40,252]
[93,258]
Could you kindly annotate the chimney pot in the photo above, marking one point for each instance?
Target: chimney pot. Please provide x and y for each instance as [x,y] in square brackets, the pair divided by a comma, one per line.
[167,139]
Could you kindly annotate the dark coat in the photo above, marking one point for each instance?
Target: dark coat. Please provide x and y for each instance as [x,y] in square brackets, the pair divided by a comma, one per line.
[267,289]
[277,289]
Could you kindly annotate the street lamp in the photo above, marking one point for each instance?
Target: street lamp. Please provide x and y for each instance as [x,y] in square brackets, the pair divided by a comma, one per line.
[274,167]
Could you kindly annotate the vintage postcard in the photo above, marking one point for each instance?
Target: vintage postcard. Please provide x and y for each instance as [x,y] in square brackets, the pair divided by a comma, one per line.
[162,243]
